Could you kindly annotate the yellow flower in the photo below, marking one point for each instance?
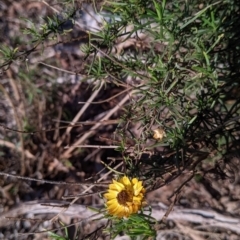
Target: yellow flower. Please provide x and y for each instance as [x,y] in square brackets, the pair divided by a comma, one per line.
[125,197]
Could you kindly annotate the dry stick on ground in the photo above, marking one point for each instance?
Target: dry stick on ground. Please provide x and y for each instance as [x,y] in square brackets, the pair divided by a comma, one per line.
[51,182]
[207,218]
[19,149]
[187,231]
[80,141]
[83,109]
[52,129]
[57,123]
[98,146]
[111,98]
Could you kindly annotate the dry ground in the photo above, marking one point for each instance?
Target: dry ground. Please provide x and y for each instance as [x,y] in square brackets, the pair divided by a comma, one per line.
[43,100]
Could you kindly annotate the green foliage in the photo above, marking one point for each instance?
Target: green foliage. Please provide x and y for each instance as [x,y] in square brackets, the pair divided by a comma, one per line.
[183,87]
[50,29]
[137,226]
[55,236]
[8,54]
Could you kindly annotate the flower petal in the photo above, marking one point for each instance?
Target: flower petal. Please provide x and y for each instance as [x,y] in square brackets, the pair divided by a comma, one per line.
[125,180]
[116,186]
[134,180]
[111,194]
[137,188]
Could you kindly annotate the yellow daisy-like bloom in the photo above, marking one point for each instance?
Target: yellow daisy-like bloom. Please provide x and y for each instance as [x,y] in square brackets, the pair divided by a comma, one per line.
[125,197]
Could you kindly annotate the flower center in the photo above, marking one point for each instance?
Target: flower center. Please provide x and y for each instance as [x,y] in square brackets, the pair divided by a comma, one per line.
[123,197]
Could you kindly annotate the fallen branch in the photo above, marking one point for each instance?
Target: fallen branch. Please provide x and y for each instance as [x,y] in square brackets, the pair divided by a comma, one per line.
[207,218]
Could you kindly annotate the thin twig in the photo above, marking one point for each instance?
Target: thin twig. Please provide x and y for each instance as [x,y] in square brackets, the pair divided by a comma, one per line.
[96,146]
[67,153]
[77,117]
[108,99]
[52,182]
[19,149]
